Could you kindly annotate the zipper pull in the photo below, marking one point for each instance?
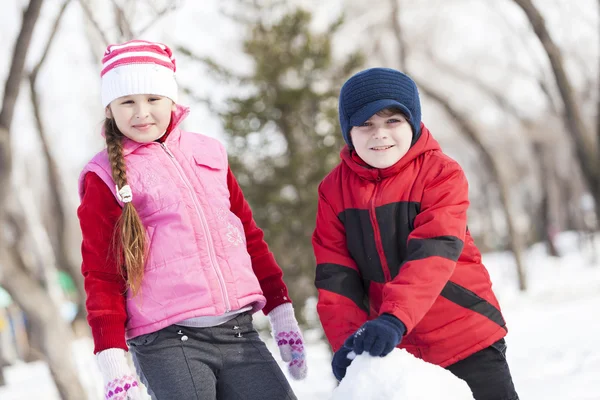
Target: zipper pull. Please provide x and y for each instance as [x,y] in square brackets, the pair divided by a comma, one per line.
[167,150]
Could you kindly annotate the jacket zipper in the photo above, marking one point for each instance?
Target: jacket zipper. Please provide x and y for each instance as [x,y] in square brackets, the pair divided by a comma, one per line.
[207,235]
[379,245]
[377,233]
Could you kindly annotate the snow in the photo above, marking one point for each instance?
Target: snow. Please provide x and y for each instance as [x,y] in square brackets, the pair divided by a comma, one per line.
[398,376]
[554,327]
[552,343]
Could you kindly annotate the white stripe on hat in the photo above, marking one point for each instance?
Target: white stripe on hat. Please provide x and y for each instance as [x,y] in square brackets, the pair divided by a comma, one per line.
[137,54]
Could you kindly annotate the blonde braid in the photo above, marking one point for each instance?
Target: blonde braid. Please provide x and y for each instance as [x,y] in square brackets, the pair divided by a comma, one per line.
[130,236]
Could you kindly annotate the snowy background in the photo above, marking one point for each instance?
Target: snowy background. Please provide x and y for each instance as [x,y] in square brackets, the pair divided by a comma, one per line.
[553,349]
[554,328]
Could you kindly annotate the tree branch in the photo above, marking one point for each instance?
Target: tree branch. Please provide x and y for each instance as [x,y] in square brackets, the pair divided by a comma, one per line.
[587,152]
[122,22]
[61,12]
[481,85]
[90,16]
[397,28]
[159,14]
[15,74]
[59,231]
[11,92]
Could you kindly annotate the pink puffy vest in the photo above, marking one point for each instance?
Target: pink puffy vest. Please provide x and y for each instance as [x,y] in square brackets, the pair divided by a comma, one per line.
[198,264]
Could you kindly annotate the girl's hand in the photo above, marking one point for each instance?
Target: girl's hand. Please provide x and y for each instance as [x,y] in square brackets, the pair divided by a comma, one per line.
[120,383]
[289,339]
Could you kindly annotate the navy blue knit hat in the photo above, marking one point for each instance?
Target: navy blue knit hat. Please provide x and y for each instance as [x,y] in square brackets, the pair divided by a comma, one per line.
[372,90]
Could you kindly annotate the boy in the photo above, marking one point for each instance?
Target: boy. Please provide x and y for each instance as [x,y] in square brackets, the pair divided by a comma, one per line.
[396,264]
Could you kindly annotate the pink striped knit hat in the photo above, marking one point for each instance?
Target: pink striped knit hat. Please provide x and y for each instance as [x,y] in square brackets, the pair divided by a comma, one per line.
[138,67]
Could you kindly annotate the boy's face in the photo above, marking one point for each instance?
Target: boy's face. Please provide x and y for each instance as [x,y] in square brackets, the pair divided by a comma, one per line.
[141,117]
[383,139]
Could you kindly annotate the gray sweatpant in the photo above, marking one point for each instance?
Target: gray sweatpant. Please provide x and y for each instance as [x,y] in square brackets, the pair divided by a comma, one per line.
[225,362]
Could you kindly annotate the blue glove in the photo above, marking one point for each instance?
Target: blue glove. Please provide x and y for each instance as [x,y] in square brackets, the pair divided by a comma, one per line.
[379,336]
[340,359]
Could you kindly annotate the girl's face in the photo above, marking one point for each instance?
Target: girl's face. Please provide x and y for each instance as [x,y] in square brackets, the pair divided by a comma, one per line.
[382,140]
[141,117]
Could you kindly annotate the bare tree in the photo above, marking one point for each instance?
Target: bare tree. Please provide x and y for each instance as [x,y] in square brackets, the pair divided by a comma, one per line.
[123,15]
[58,207]
[41,310]
[471,133]
[466,128]
[538,153]
[11,92]
[29,294]
[548,225]
[586,147]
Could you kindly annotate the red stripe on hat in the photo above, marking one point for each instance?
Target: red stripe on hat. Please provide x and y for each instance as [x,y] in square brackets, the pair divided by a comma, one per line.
[138,60]
[135,46]
[150,49]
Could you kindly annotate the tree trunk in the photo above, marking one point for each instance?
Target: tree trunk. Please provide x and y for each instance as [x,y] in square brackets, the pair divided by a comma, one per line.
[23,288]
[548,221]
[495,173]
[598,133]
[587,149]
[41,309]
[13,82]
[3,361]
[11,92]
[57,207]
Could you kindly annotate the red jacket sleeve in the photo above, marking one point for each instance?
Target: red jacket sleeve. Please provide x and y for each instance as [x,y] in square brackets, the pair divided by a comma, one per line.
[265,267]
[434,246]
[342,305]
[104,284]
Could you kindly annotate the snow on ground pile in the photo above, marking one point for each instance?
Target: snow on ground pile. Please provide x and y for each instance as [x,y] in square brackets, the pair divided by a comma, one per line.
[399,376]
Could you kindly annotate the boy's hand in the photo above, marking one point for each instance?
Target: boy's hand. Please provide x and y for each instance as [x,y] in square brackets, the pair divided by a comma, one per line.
[289,339]
[342,359]
[379,336]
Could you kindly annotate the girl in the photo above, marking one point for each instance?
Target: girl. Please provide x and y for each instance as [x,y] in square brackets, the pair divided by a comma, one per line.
[172,258]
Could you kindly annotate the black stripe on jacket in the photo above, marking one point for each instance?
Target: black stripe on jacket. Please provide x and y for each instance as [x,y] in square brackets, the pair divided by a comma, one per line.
[395,222]
[343,281]
[360,241]
[467,299]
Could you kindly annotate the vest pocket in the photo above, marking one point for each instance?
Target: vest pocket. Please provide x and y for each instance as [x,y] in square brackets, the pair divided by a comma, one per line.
[212,161]
[211,172]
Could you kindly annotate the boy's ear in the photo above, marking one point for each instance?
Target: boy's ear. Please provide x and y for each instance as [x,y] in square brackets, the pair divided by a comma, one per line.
[173,107]
[107,112]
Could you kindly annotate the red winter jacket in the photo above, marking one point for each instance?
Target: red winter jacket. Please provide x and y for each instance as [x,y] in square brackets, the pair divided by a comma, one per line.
[105,285]
[395,241]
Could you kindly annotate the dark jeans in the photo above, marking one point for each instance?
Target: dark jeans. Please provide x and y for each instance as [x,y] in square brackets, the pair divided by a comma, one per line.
[225,362]
[487,373]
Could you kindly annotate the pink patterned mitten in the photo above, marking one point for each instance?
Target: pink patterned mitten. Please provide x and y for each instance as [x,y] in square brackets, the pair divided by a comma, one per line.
[289,339]
[120,383]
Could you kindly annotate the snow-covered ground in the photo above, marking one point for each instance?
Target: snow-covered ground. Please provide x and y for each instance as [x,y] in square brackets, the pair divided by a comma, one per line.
[552,342]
